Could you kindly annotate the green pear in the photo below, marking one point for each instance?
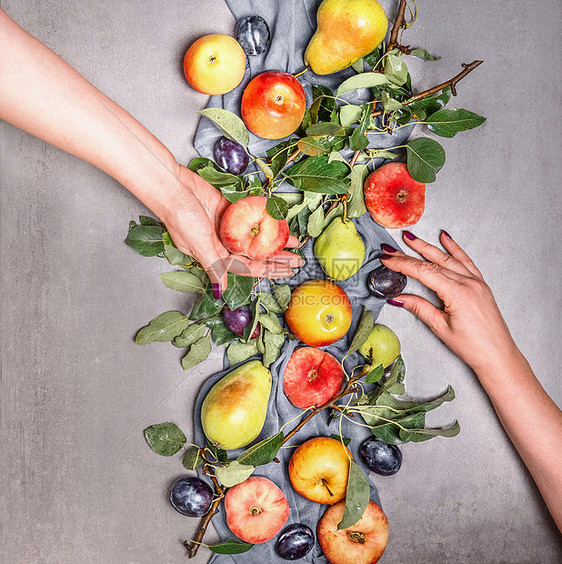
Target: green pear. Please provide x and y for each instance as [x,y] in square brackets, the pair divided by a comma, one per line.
[347,30]
[381,347]
[340,249]
[233,412]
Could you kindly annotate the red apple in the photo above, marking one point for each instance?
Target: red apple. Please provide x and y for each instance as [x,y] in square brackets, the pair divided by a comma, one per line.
[273,105]
[362,543]
[256,509]
[312,377]
[247,229]
[394,199]
[319,313]
[319,468]
[214,64]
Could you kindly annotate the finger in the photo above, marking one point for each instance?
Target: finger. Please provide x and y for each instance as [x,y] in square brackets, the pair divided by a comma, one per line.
[293,260]
[433,254]
[433,317]
[455,251]
[216,269]
[292,242]
[258,268]
[445,283]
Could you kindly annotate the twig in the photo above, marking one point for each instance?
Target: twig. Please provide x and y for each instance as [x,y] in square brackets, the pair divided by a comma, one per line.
[449,83]
[398,22]
[354,159]
[293,156]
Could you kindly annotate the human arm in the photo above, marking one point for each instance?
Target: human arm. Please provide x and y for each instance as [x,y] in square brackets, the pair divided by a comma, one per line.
[471,325]
[41,94]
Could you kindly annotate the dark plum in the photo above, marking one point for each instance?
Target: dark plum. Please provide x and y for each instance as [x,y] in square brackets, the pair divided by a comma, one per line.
[385,283]
[252,32]
[191,496]
[238,319]
[230,156]
[380,457]
[294,542]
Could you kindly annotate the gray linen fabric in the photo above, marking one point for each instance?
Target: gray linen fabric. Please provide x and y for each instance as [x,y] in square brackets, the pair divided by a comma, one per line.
[292,23]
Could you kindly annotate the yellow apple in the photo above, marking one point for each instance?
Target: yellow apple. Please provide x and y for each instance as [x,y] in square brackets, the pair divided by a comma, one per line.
[214,64]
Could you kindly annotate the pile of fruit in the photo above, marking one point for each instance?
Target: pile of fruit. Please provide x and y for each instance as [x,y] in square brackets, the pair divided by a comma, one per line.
[327,159]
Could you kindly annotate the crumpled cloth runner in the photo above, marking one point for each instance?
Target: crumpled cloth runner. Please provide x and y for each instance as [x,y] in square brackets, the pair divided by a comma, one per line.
[292,24]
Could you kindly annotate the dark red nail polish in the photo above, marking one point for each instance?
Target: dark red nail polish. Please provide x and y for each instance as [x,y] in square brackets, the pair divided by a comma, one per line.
[388,248]
[446,234]
[409,235]
[217,291]
[384,257]
[396,303]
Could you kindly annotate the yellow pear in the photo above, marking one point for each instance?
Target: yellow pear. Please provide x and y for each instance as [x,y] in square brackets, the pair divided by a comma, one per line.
[340,249]
[234,410]
[347,30]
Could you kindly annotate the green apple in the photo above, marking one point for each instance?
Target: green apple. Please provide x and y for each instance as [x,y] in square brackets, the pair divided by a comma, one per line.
[381,347]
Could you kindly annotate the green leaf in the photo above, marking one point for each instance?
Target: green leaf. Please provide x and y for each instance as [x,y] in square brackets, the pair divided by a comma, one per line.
[199,163]
[256,314]
[323,107]
[233,473]
[192,459]
[219,453]
[447,123]
[423,54]
[238,351]
[389,104]
[233,193]
[221,179]
[430,105]
[162,328]
[230,124]
[357,66]
[182,281]
[175,256]
[165,439]
[189,335]
[364,329]
[316,222]
[265,168]
[315,174]
[395,69]
[263,452]
[343,440]
[282,293]
[425,159]
[356,204]
[419,435]
[273,345]
[238,291]
[146,220]
[277,207]
[375,375]
[146,240]
[325,129]
[279,154]
[350,114]
[198,352]
[221,333]
[271,323]
[231,546]
[400,369]
[207,305]
[358,139]
[270,303]
[356,498]
[311,146]
[364,80]
[375,55]
[381,154]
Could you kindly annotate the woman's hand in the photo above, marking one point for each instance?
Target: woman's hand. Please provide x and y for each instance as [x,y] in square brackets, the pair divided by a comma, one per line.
[193,217]
[470,323]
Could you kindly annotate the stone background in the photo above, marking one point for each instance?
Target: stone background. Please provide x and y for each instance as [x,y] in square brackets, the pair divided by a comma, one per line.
[79,483]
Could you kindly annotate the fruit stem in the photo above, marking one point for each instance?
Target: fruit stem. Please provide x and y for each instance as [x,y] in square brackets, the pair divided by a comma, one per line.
[301,73]
[357,536]
[344,204]
[255,510]
[324,483]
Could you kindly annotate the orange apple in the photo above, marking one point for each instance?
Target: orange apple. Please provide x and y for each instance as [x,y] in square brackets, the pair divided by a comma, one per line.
[319,468]
[362,543]
[256,509]
[273,104]
[214,64]
[319,313]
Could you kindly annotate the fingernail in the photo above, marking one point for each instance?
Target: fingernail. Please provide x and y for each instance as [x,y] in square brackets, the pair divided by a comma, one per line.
[396,303]
[446,234]
[409,235]
[384,257]
[217,291]
[388,248]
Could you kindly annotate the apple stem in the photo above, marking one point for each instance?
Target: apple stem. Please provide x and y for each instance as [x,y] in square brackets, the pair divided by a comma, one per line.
[324,483]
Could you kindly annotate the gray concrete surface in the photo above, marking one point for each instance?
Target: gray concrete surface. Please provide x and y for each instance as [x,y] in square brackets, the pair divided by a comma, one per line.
[79,483]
